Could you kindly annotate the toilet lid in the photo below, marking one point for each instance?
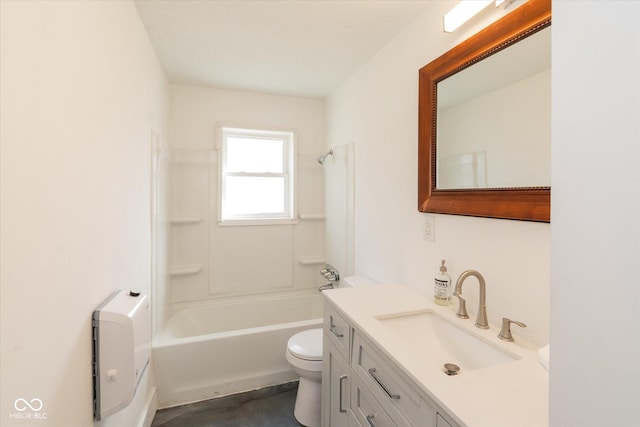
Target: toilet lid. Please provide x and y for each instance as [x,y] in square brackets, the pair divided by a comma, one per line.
[307,344]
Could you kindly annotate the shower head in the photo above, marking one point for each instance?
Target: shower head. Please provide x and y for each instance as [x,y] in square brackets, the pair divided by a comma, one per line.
[322,158]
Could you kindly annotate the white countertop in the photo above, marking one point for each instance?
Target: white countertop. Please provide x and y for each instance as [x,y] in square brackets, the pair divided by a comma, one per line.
[512,394]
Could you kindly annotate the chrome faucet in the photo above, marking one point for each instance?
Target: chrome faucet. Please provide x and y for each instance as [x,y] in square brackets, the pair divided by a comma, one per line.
[481,320]
[330,273]
[325,287]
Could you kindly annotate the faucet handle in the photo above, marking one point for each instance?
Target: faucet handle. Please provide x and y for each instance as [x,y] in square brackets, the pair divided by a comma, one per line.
[505,331]
[330,273]
[462,306]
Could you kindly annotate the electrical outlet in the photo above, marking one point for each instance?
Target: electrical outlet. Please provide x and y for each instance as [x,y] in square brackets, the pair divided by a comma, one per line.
[429,228]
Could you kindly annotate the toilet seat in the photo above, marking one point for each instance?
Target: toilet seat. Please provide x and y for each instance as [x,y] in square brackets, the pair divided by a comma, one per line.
[304,354]
[310,366]
[306,345]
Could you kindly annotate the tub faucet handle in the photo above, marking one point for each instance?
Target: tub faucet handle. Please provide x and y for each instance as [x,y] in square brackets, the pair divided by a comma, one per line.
[331,277]
[330,273]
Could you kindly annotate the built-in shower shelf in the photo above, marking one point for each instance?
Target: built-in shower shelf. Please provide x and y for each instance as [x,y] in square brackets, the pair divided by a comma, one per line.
[312,217]
[186,220]
[185,270]
[311,261]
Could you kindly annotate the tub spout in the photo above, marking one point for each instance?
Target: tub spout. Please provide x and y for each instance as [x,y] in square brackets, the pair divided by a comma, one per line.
[325,287]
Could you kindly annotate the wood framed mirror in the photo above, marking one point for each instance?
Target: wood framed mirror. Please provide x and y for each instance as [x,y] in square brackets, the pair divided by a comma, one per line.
[529,202]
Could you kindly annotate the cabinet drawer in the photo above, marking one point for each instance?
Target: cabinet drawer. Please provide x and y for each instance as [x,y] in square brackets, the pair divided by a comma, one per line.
[388,385]
[366,409]
[338,330]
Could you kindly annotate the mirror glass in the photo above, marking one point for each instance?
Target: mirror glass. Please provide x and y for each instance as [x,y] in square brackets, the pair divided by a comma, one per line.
[494,120]
[484,121]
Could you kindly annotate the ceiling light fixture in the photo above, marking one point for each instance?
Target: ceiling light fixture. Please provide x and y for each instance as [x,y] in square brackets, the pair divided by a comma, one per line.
[504,3]
[464,11]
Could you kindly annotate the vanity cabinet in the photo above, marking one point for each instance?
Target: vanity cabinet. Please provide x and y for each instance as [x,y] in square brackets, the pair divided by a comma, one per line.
[336,370]
[362,387]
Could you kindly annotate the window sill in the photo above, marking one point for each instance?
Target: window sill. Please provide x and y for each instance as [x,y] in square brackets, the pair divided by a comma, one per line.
[260,221]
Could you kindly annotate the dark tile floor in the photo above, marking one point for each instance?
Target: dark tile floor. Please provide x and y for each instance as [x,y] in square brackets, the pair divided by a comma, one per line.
[266,407]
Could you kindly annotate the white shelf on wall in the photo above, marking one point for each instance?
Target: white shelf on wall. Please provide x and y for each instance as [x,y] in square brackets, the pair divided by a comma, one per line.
[312,217]
[186,220]
[311,261]
[185,270]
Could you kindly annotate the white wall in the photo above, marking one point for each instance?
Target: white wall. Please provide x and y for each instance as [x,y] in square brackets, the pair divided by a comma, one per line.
[595,292]
[377,110]
[238,260]
[81,91]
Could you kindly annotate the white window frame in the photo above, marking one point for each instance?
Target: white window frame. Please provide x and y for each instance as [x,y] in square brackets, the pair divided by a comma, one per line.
[289,216]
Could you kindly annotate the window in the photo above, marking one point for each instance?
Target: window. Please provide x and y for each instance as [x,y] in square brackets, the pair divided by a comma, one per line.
[256,177]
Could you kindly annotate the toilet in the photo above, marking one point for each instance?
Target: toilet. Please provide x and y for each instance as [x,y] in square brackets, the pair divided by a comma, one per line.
[304,354]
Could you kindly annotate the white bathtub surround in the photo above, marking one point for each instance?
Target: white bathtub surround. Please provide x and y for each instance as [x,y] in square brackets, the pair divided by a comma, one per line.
[209,261]
[509,394]
[235,294]
[224,347]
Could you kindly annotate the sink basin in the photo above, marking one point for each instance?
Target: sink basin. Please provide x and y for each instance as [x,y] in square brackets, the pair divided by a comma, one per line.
[441,341]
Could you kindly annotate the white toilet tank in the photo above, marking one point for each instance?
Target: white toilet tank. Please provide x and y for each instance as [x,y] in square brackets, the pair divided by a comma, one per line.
[357,282]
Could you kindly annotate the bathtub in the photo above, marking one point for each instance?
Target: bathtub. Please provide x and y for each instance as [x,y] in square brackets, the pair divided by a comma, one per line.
[225,347]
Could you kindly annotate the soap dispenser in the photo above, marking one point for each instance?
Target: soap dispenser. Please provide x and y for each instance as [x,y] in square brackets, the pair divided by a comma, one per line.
[442,286]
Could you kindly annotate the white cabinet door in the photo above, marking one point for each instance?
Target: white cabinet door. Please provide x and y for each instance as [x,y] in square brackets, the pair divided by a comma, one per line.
[336,377]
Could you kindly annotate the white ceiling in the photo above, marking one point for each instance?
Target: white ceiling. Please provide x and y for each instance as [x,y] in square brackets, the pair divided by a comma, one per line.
[296,47]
